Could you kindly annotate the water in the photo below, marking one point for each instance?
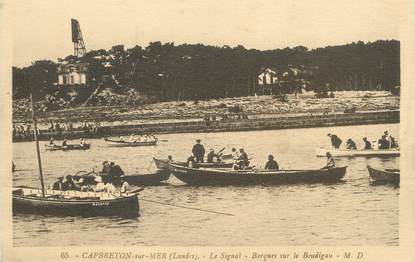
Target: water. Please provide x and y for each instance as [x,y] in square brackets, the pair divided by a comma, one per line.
[348,213]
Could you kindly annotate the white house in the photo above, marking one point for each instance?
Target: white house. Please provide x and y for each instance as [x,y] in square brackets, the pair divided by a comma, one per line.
[72,74]
[267,77]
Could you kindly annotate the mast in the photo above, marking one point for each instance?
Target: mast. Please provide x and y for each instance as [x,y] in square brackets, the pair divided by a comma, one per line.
[39,162]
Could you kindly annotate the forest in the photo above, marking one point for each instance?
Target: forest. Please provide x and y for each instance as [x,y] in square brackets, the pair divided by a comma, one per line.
[167,72]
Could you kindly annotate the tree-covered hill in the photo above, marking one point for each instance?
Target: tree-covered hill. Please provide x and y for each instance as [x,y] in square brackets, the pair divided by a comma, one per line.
[194,71]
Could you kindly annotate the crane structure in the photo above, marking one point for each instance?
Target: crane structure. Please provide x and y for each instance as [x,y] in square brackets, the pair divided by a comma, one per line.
[77,40]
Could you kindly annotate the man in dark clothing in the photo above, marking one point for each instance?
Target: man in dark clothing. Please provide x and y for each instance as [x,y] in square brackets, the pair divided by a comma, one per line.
[58,184]
[335,140]
[243,159]
[198,151]
[212,155]
[271,164]
[68,184]
[368,145]
[115,174]
[350,144]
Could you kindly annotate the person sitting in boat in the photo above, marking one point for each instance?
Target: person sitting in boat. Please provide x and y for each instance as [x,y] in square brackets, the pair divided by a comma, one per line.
[65,142]
[69,184]
[212,155]
[110,188]
[235,155]
[350,144]
[330,161]
[124,186]
[394,144]
[82,142]
[191,162]
[198,151]
[58,184]
[335,140]
[243,161]
[368,145]
[52,141]
[99,186]
[170,158]
[384,143]
[121,139]
[271,164]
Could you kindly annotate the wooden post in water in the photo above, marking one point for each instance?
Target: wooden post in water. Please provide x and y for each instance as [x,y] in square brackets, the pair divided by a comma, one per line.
[37,145]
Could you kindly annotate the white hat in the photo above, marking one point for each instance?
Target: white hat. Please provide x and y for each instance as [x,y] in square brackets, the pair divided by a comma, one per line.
[98,179]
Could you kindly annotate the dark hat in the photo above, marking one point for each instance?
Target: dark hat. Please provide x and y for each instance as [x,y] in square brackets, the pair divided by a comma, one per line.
[198,140]
[328,134]
[105,162]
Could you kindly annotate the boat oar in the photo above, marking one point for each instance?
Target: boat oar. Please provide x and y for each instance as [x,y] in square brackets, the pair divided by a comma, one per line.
[220,151]
[192,208]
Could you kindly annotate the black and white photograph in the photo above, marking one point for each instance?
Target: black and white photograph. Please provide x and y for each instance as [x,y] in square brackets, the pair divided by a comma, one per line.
[205,124]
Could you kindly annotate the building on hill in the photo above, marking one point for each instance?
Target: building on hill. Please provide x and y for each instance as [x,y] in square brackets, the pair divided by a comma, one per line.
[72,74]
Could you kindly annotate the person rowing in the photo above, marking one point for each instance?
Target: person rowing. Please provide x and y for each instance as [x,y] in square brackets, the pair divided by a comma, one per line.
[271,164]
[330,161]
[243,161]
[335,140]
[368,145]
[350,144]
[212,155]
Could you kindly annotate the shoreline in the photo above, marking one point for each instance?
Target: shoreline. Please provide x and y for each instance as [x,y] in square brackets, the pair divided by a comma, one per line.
[268,123]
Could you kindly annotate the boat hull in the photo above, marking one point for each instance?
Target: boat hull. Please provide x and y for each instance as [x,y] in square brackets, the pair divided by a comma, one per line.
[164,164]
[122,207]
[118,143]
[67,148]
[148,179]
[383,176]
[199,176]
[321,152]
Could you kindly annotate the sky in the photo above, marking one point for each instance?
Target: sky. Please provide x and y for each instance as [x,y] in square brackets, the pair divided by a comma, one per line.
[42,30]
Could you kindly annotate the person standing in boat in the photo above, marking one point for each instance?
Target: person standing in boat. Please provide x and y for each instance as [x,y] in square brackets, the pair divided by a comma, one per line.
[105,167]
[198,151]
[330,161]
[271,164]
[368,145]
[350,144]
[335,140]
[115,174]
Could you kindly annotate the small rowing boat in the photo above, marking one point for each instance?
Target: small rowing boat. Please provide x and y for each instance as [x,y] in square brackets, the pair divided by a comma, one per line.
[384,175]
[73,203]
[164,164]
[128,143]
[67,147]
[205,176]
[156,178]
[358,152]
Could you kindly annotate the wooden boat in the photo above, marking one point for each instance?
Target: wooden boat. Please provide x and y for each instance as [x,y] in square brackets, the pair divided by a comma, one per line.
[67,147]
[359,152]
[156,178]
[70,203]
[164,164]
[127,143]
[204,176]
[73,203]
[384,175]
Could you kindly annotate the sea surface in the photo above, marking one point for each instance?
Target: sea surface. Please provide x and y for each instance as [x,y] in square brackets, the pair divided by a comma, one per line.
[352,212]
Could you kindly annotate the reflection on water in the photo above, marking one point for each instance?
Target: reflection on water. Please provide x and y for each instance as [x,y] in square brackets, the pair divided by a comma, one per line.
[348,213]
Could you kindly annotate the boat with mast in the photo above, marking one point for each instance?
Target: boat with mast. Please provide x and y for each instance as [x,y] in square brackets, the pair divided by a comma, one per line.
[70,202]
